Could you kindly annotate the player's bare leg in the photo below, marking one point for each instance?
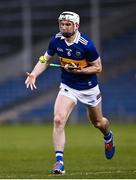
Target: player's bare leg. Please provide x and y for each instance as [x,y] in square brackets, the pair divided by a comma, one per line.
[62,110]
[96,117]
[102,123]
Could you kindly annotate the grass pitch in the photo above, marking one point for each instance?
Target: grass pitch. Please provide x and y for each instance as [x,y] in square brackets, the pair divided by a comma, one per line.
[26,152]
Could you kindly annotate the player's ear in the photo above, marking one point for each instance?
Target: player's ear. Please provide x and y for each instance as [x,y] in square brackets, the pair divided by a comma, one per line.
[77,25]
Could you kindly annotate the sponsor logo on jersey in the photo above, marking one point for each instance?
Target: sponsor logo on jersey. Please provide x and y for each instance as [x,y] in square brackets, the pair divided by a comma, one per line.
[69,52]
[59,49]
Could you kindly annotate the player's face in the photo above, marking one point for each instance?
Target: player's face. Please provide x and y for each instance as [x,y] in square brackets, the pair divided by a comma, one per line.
[66,28]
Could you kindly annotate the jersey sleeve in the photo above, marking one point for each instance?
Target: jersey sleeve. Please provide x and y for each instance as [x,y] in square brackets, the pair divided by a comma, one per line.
[91,53]
[51,48]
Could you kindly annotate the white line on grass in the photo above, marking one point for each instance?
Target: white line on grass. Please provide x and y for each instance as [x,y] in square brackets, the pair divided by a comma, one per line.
[94,173]
[99,172]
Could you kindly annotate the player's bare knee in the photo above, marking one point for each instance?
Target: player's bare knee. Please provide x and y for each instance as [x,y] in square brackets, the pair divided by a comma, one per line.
[97,124]
[101,123]
[58,121]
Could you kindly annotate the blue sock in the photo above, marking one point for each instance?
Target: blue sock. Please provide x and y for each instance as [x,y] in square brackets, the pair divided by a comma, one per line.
[108,136]
[59,156]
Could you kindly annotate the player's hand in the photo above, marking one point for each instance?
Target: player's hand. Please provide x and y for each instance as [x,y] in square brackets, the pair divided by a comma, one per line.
[30,81]
[72,67]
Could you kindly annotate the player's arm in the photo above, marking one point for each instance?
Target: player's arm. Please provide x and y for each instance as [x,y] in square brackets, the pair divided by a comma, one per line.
[94,67]
[41,66]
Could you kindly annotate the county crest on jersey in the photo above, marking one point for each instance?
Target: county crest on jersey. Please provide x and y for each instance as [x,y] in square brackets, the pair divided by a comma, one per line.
[81,52]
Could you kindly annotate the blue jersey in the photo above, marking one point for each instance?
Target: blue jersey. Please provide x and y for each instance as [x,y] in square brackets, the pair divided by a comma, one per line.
[81,52]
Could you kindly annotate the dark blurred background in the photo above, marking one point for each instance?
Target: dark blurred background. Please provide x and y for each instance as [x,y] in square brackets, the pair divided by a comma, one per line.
[26,27]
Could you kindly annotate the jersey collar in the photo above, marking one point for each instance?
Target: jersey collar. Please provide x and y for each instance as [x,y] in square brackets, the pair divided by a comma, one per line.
[77,37]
